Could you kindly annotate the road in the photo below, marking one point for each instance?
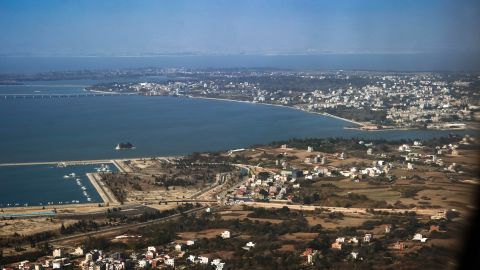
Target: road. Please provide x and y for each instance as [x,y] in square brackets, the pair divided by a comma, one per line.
[349,210]
[122,227]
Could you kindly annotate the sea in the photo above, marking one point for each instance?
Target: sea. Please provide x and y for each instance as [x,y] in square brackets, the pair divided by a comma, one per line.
[88,128]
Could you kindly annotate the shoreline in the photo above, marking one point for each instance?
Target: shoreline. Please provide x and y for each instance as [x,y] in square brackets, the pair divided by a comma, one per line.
[102,190]
[362,126]
[282,106]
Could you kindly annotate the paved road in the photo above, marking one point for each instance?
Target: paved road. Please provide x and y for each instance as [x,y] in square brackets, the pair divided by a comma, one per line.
[122,227]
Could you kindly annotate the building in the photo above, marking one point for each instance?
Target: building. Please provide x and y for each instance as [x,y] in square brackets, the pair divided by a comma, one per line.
[225,234]
[170,262]
[58,253]
[398,246]
[367,238]
[336,245]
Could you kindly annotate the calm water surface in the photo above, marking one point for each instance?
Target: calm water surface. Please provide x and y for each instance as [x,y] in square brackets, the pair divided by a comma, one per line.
[90,127]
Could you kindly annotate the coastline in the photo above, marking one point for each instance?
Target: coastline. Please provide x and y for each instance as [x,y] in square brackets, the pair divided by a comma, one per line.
[362,126]
[282,106]
[104,192]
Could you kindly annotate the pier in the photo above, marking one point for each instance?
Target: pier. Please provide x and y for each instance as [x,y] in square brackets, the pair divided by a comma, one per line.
[50,96]
[104,192]
[59,163]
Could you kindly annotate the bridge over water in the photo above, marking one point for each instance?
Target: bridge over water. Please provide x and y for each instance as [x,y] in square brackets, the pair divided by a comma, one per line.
[49,96]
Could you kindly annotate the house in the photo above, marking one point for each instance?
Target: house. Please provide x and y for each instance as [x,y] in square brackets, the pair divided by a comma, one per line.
[57,264]
[419,237]
[190,243]
[178,248]
[434,228]
[310,149]
[367,238]
[336,245]
[310,254]
[353,240]
[249,246]
[202,260]
[151,249]
[218,264]
[398,246]
[409,166]
[370,151]
[439,215]
[191,258]
[79,251]
[57,253]
[354,255]
[142,263]
[150,254]
[225,234]
[170,261]
[340,240]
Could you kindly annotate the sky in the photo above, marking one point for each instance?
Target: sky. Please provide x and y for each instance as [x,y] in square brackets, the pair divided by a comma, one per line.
[143,27]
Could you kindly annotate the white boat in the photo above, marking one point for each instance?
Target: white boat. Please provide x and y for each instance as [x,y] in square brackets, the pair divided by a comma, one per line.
[84,188]
[72,174]
[88,199]
[103,168]
[66,176]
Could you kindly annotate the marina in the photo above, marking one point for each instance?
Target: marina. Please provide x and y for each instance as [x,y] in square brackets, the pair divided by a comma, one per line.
[47,184]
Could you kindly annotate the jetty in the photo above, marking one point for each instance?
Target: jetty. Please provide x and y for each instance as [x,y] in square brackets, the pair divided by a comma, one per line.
[104,192]
[59,163]
[50,96]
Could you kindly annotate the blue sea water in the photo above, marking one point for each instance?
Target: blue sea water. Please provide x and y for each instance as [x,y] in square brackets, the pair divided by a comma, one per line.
[89,128]
[381,62]
[44,184]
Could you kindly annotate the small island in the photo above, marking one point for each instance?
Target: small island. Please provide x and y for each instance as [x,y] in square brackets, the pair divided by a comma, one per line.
[123,146]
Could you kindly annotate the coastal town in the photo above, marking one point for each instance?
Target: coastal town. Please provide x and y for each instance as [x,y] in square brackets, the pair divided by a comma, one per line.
[373,100]
[301,203]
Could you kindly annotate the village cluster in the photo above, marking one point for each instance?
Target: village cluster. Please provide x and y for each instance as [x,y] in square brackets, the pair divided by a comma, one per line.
[387,100]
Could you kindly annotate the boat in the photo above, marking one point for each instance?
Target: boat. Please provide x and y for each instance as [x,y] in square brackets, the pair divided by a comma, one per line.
[84,188]
[123,146]
[66,176]
[72,174]
[88,199]
[103,168]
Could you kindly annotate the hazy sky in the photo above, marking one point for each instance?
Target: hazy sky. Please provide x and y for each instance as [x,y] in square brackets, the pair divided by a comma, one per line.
[140,27]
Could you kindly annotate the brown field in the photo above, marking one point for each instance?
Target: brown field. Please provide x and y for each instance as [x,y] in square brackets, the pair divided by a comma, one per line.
[211,233]
[31,226]
[298,237]
[347,221]
[287,248]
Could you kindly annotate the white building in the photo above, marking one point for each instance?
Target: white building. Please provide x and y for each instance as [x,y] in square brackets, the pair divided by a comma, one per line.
[170,261]
[57,253]
[225,235]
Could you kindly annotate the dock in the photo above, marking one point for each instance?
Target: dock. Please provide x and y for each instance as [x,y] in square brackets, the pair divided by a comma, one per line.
[59,163]
[104,192]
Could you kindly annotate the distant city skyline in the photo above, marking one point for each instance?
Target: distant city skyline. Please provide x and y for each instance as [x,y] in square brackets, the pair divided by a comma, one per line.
[143,28]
